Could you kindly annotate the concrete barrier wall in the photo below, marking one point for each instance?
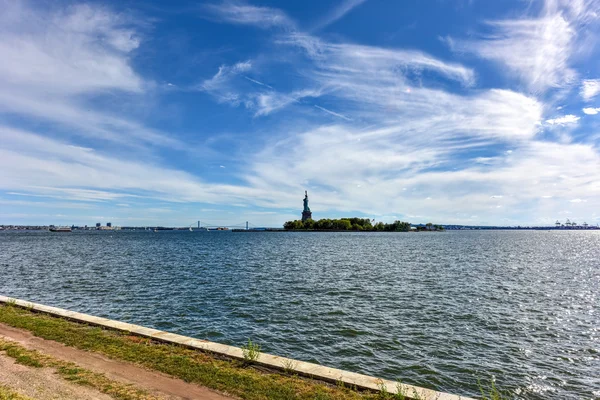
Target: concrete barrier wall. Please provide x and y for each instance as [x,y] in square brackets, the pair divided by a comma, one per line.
[314,371]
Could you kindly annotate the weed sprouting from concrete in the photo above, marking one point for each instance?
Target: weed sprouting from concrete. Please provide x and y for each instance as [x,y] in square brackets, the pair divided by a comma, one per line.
[492,392]
[383,392]
[400,391]
[289,366]
[251,351]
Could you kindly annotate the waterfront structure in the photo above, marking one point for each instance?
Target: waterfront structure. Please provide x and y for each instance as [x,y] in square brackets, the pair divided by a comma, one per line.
[60,229]
[306,213]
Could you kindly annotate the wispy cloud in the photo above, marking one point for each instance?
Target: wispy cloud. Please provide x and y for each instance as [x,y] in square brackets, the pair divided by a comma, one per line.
[39,166]
[354,57]
[337,13]
[590,88]
[71,50]
[536,50]
[269,102]
[237,12]
[58,60]
[258,82]
[220,84]
[591,111]
[333,113]
[564,120]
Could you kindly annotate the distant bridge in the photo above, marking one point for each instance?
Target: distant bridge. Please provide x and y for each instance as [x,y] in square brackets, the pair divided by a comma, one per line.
[216,225]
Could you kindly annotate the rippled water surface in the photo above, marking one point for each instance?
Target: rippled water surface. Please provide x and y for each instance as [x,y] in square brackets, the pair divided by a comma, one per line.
[432,309]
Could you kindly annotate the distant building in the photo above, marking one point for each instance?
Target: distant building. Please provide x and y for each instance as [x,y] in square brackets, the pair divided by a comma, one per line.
[109,224]
[306,213]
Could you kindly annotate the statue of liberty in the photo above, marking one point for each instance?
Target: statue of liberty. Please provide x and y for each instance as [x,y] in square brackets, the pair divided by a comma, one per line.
[306,214]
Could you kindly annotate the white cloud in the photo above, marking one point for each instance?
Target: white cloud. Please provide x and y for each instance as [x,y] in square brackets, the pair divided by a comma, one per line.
[537,49]
[564,120]
[57,60]
[74,50]
[220,84]
[591,111]
[486,160]
[370,83]
[590,88]
[393,63]
[385,162]
[35,165]
[268,102]
[337,13]
[243,14]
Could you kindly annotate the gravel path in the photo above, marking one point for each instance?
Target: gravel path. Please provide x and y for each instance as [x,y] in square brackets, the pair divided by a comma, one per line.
[42,383]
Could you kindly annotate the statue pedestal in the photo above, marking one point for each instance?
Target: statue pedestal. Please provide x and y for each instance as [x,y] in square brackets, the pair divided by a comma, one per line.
[306,215]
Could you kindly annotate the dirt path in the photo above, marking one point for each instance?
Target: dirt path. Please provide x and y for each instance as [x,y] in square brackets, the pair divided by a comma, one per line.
[154,382]
[42,383]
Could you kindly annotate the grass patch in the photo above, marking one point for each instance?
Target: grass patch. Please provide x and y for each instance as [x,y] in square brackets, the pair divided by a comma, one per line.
[7,394]
[20,356]
[73,373]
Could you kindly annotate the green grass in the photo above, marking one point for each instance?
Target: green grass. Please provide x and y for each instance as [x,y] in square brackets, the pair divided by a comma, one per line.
[7,394]
[20,356]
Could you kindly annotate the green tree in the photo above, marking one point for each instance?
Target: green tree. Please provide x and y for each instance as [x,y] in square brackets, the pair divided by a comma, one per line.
[288,225]
[309,224]
[298,224]
[342,224]
[357,227]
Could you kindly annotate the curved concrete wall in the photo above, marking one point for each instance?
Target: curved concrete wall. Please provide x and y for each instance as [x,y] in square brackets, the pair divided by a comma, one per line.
[315,371]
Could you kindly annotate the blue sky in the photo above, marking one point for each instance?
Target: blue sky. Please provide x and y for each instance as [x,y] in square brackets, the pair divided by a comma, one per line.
[146,113]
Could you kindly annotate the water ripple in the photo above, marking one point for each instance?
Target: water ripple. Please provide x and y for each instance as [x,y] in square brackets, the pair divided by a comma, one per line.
[436,310]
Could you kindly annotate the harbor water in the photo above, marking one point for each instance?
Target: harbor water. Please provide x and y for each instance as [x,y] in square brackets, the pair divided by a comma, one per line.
[438,310]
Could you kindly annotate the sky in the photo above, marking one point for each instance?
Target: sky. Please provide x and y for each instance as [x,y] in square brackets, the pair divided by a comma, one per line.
[148,113]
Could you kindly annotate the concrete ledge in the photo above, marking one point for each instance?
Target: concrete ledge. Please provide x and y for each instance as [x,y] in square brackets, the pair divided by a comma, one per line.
[315,371]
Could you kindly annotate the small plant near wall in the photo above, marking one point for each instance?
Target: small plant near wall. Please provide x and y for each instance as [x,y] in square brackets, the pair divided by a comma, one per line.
[289,366]
[251,352]
[492,392]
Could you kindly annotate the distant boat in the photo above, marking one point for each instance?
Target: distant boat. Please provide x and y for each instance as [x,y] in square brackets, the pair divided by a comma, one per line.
[155,230]
[191,230]
[60,229]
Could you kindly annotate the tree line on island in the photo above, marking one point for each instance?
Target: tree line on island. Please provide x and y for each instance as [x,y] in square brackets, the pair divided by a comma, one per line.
[356,224]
